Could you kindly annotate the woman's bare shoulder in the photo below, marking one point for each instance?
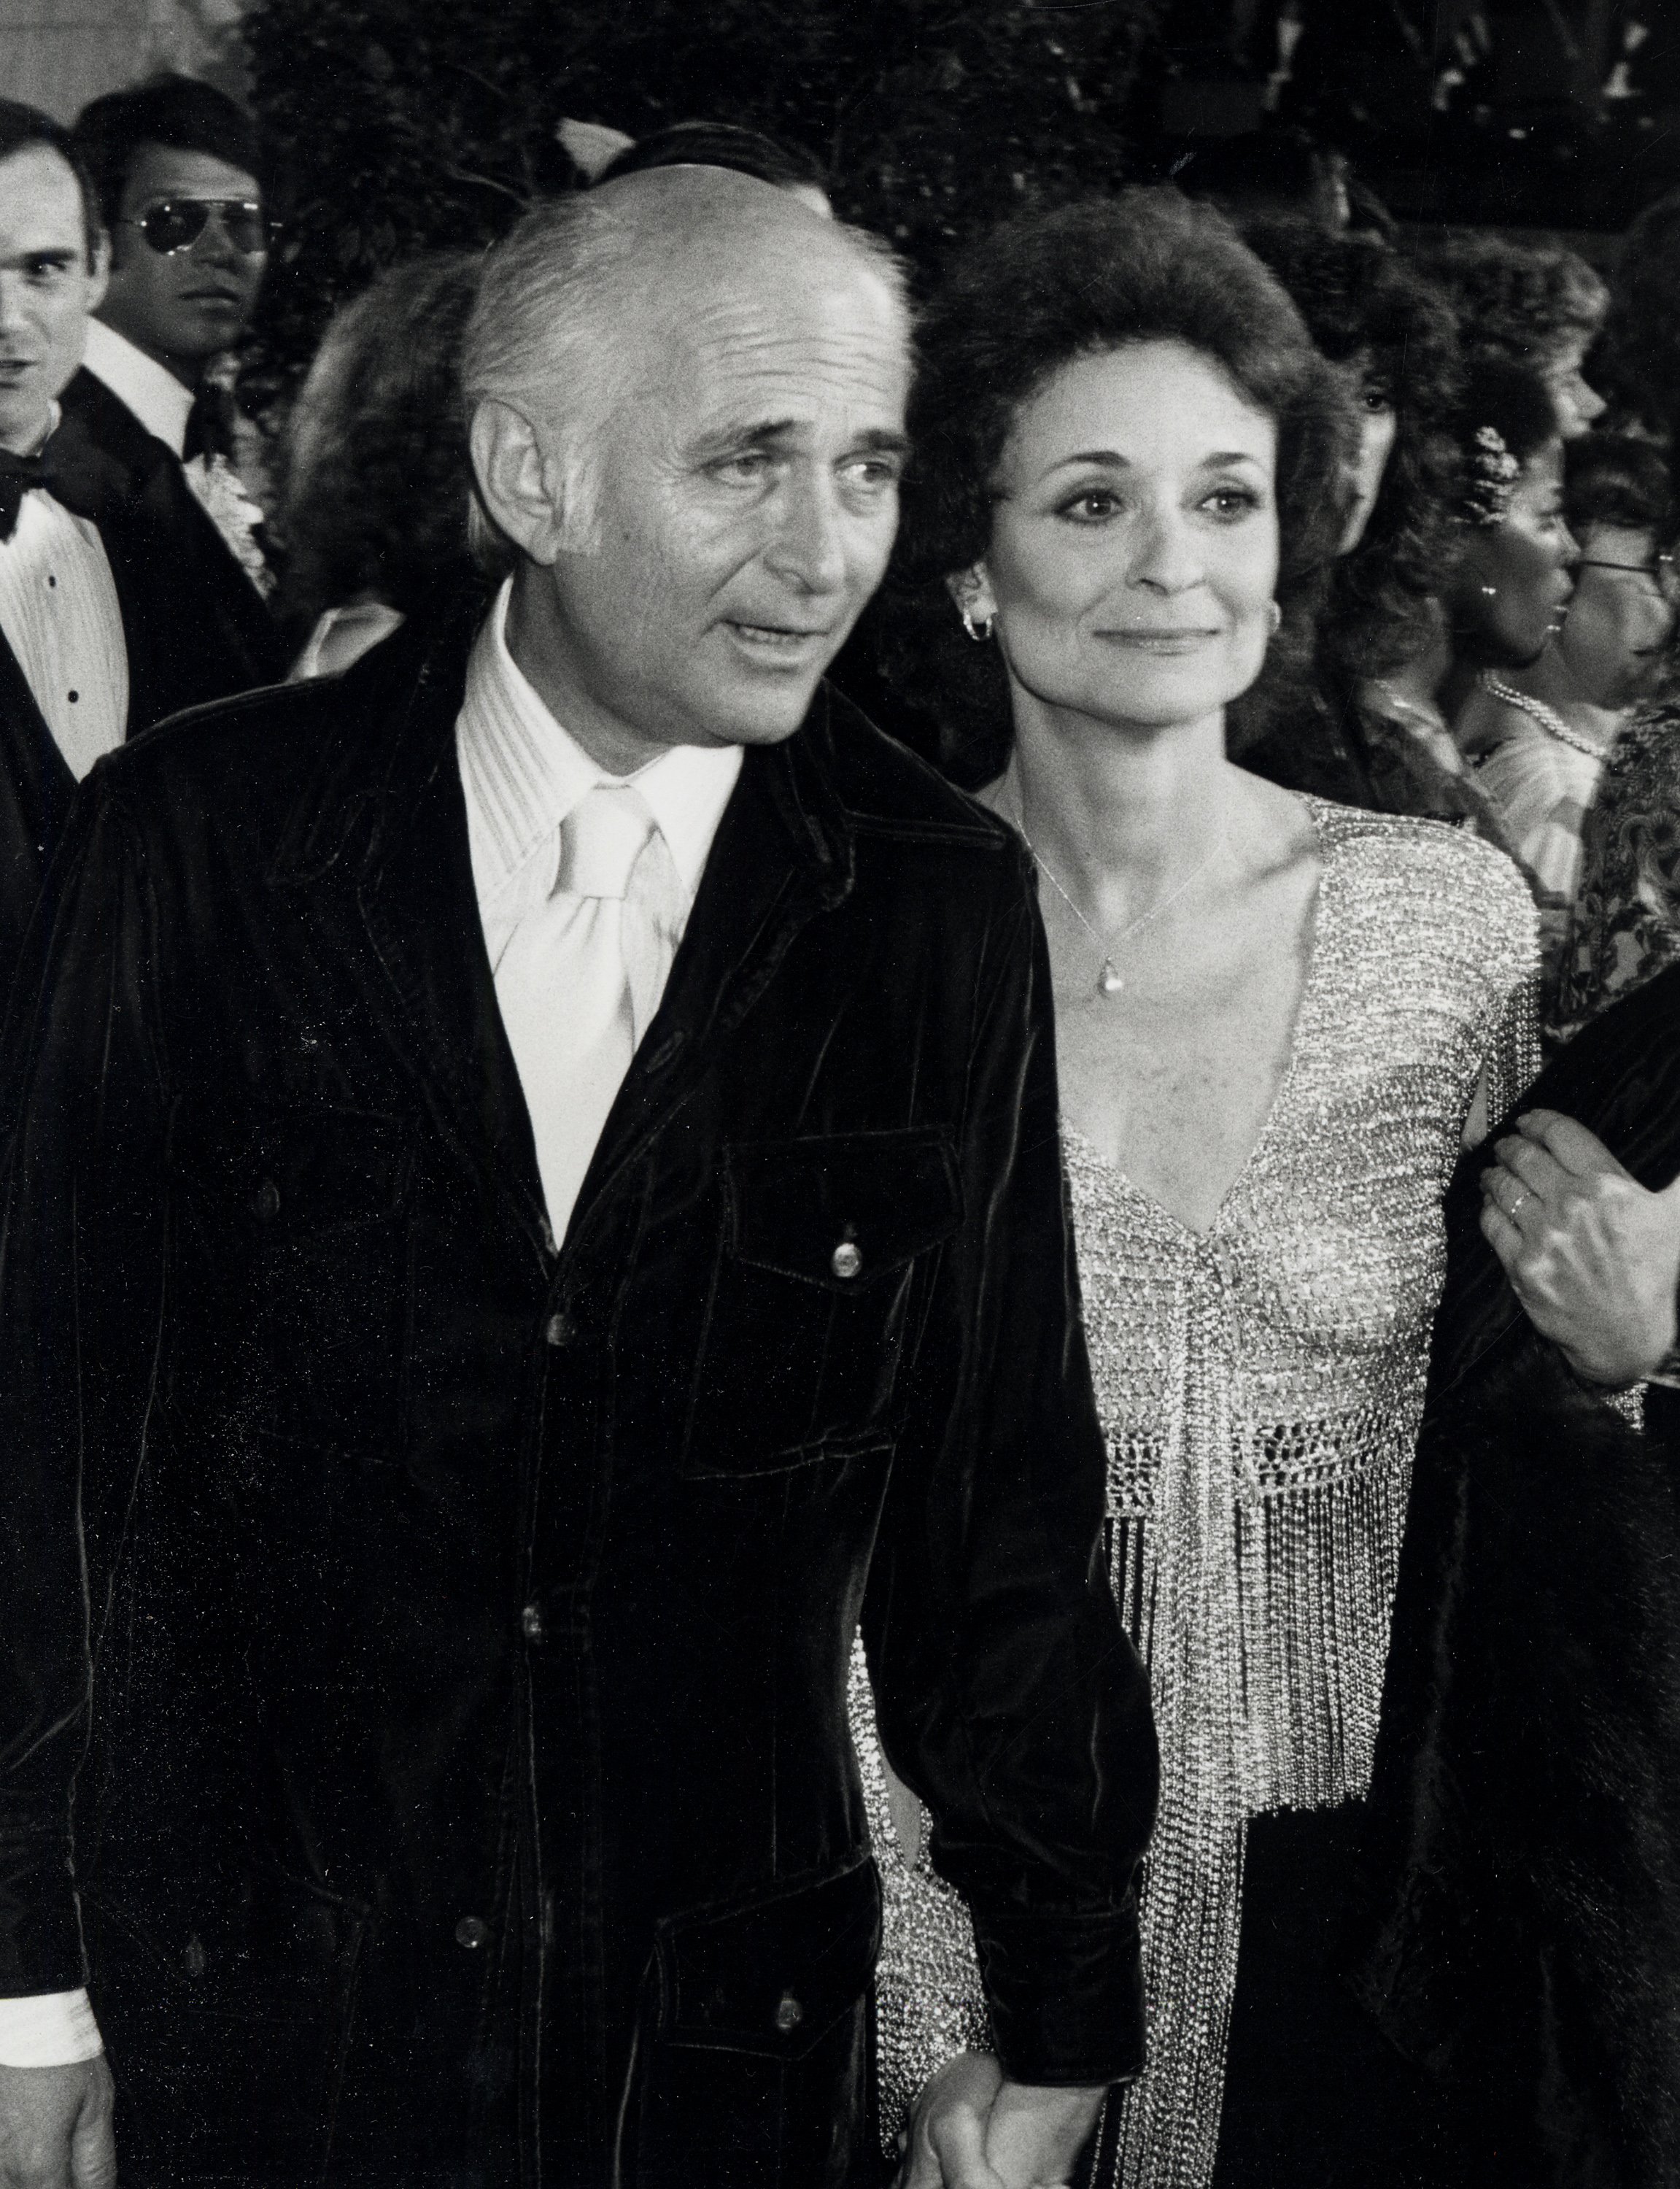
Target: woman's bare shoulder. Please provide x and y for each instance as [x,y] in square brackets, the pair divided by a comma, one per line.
[1273,828]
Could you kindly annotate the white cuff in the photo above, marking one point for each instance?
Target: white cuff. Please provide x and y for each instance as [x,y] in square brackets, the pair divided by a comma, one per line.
[48,2029]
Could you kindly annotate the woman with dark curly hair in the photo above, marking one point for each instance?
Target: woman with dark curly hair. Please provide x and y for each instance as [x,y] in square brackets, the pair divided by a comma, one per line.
[1271,1015]
[1538,305]
[377,490]
[1642,335]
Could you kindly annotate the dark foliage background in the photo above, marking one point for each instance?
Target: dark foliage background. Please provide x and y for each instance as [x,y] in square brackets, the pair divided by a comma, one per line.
[409,124]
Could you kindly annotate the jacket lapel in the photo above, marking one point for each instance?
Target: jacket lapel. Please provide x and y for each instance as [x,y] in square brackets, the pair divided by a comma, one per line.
[781,856]
[381,844]
[37,774]
[37,793]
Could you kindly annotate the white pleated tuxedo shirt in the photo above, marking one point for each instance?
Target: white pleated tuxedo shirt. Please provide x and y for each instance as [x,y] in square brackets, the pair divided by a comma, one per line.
[61,618]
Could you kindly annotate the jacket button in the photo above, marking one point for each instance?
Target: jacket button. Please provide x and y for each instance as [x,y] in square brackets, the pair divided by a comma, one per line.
[846,1260]
[472,1932]
[560,1329]
[789,2014]
[530,1622]
[266,1201]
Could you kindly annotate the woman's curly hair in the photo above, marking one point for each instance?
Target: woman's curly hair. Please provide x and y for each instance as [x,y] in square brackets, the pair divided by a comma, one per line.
[1643,337]
[1528,302]
[1362,303]
[377,483]
[1033,296]
[1613,479]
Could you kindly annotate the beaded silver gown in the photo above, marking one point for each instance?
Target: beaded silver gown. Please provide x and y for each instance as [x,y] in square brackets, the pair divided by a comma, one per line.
[1260,1386]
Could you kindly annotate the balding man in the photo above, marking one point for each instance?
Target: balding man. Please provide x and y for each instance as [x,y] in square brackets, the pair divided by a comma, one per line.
[535,1210]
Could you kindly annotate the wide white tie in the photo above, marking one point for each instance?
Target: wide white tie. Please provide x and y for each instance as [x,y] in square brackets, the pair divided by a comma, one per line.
[583,975]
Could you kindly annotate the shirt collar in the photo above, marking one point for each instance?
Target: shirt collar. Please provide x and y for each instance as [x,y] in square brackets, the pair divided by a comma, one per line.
[523,773]
[152,392]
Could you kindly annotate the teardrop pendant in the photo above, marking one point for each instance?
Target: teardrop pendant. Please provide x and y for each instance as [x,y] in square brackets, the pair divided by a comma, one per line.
[1109,980]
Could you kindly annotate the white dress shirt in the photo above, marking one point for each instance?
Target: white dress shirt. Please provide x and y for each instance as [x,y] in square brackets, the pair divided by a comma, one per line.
[524,777]
[59,612]
[150,390]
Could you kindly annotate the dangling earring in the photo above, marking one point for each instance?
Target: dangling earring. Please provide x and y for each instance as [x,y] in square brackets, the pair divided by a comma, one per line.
[1276,613]
[979,632]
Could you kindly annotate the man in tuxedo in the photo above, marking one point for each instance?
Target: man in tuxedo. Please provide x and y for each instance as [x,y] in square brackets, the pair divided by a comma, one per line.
[177,167]
[109,619]
[64,667]
[547,1148]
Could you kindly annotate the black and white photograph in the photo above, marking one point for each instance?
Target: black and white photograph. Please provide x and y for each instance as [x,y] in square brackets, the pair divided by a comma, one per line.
[840,1094]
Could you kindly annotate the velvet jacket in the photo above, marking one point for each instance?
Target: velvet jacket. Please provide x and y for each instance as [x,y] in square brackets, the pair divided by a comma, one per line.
[468,1795]
[1520,1934]
[194,627]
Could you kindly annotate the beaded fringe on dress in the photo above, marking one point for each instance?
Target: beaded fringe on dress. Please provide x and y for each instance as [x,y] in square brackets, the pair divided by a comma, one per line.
[927,2002]
[1268,1605]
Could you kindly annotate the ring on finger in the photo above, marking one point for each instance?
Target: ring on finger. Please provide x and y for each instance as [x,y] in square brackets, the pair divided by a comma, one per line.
[1523,1194]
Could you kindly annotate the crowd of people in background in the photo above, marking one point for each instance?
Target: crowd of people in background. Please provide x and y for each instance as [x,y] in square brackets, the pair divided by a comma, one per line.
[1354,832]
[1435,337]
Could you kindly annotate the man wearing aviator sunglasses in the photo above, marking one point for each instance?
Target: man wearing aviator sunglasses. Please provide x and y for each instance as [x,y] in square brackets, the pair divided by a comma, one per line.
[175,164]
[178,170]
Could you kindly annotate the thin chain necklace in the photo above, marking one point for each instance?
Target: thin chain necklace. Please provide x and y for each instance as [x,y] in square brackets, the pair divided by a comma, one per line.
[1110,981]
[1538,711]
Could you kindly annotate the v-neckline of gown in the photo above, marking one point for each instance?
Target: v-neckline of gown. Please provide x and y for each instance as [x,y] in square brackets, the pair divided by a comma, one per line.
[1305,1011]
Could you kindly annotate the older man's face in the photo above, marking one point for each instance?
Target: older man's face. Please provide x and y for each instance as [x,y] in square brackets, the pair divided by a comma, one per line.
[747,494]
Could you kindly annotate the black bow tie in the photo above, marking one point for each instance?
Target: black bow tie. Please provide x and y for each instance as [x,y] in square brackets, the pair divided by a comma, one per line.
[64,470]
[18,474]
[210,423]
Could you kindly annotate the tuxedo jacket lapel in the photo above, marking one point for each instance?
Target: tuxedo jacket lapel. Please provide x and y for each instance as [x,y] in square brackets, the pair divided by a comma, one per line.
[36,791]
[196,628]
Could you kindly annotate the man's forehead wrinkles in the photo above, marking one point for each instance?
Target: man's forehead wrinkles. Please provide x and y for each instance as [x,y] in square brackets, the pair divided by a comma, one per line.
[762,355]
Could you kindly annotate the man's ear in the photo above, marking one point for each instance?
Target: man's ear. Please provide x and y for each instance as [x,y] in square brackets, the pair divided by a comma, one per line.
[98,271]
[971,590]
[519,481]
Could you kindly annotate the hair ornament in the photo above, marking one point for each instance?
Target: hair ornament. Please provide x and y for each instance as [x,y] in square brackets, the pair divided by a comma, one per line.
[1493,476]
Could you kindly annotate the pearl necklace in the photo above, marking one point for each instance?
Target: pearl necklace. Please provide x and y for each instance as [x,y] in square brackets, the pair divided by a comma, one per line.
[1110,981]
[1538,711]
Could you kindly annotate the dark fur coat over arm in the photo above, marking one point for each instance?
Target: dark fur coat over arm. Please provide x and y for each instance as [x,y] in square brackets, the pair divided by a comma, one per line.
[1522,1936]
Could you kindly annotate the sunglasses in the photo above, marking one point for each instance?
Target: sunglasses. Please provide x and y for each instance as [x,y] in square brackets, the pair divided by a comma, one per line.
[175,224]
[1660,571]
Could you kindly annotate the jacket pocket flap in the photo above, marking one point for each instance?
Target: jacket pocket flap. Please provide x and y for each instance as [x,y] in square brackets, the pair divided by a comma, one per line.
[843,1211]
[773,1977]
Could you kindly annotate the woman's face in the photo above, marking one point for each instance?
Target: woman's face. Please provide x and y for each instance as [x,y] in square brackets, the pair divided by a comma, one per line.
[1621,618]
[1513,579]
[1373,400]
[1578,403]
[1134,547]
